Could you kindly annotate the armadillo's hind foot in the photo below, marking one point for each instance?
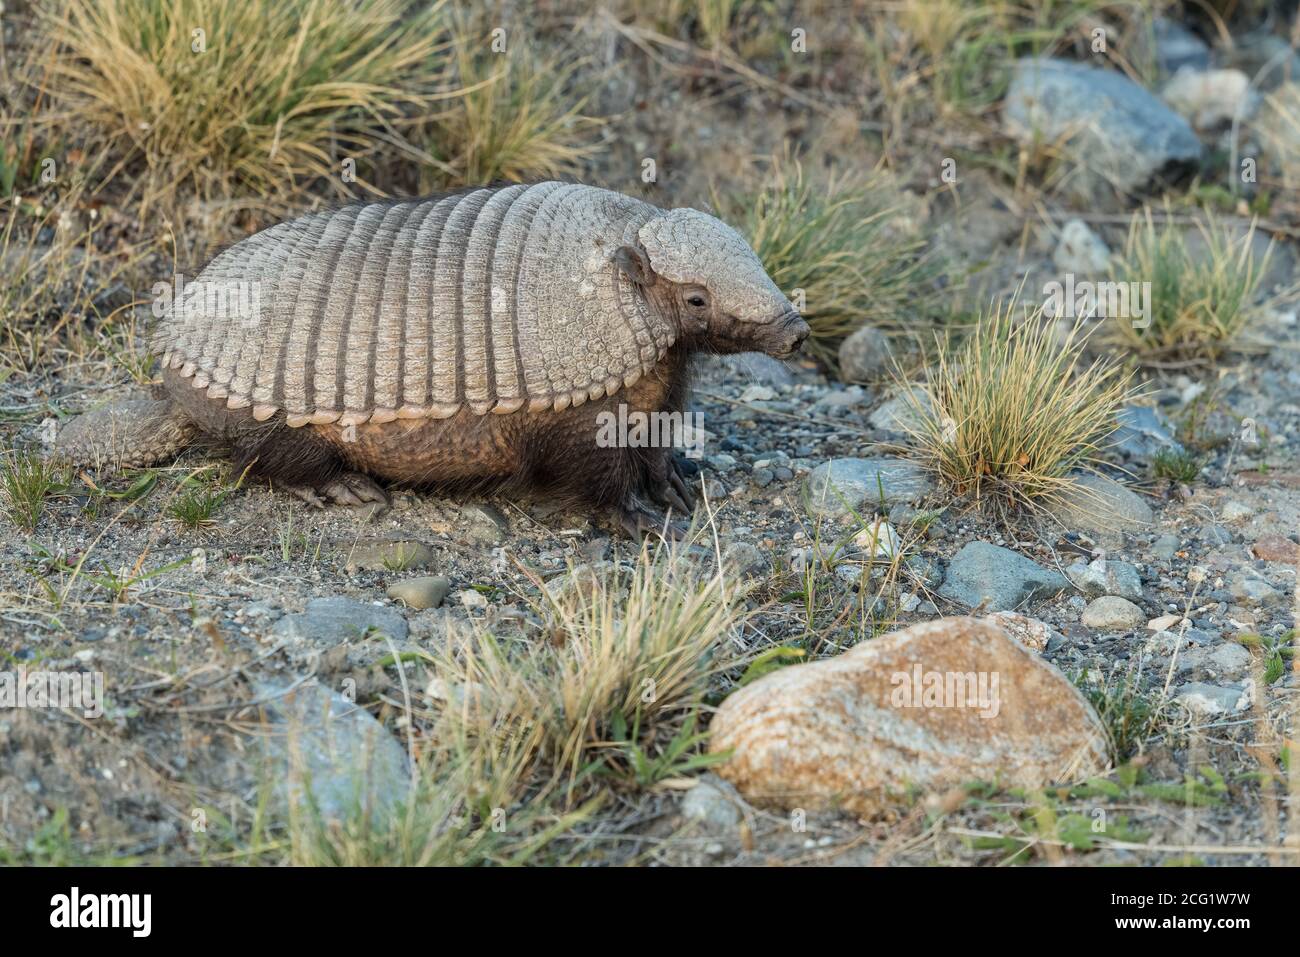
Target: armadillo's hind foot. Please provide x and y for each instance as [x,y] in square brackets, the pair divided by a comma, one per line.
[131,434]
[346,488]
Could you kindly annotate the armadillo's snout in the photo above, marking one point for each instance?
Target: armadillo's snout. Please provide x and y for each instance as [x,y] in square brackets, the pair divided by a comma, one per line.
[791,335]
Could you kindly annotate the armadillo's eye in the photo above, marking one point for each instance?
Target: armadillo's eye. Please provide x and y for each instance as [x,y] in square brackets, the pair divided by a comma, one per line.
[698,301]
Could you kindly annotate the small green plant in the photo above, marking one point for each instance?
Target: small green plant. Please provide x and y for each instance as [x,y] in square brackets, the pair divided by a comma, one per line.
[1276,652]
[402,557]
[455,813]
[1202,293]
[1131,716]
[1009,415]
[118,583]
[195,505]
[27,481]
[711,19]
[771,660]
[629,760]
[1178,465]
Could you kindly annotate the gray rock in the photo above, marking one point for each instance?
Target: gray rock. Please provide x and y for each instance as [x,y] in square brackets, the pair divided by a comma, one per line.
[334,758]
[1111,613]
[758,393]
[335,619]
[1030,632]
[1165,546]
[1177,47]
[1120,132]
[1209,700]
[997,578]
[1142,432]
[865,355]
[714,803]
[840,399]
[1266,58]
[1226,658]
[1103,577]
[746,560]
[393,556]
[1102,507]
[899,415]
[840,486]
[1249,589]
[1081,251]
[1236,511]
[428,591]
[485,525]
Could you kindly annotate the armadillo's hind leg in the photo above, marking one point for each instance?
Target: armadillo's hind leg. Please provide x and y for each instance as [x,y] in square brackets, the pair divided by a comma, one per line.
[298,461]
[346,488]
[132,434]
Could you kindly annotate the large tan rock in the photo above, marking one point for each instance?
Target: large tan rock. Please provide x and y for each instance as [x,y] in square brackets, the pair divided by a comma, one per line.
[930,707]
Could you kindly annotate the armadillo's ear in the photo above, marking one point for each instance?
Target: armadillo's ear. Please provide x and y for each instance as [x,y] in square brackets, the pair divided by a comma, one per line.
[635,264]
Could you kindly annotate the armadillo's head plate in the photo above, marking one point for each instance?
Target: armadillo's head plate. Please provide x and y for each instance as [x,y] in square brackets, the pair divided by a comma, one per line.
[692,248]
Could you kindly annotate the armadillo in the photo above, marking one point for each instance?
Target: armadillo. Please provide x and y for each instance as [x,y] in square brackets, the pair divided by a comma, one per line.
[462,340]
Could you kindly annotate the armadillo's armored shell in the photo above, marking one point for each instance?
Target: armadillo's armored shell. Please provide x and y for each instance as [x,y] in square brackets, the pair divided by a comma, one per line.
[493,298]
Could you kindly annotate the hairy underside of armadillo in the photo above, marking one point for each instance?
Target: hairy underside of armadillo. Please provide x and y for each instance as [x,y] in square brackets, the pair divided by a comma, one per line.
[495,299]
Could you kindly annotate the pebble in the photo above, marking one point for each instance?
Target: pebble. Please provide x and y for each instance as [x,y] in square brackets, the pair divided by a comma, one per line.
[424,592]
[1103,577]
[1111,613]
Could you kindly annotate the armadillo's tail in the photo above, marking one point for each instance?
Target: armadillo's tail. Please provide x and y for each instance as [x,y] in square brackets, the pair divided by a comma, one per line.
[131,434]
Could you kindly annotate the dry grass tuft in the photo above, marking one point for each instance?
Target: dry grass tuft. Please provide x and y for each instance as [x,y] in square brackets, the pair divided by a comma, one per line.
[26,481]
[619,684]
[846,245]
[63,299]
[516,119]
[1279,128]
[1204,287]
[1008,415]
[272,95]
[448,819]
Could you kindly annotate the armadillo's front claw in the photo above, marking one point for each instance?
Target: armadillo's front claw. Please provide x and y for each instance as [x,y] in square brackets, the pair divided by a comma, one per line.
[665,485]
[678,481]
[640,522]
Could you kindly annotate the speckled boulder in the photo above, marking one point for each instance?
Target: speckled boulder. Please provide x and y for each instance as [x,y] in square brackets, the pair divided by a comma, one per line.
[930,707]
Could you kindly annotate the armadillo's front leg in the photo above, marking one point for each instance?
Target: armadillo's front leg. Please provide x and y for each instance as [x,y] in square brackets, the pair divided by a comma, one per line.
[131,434]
